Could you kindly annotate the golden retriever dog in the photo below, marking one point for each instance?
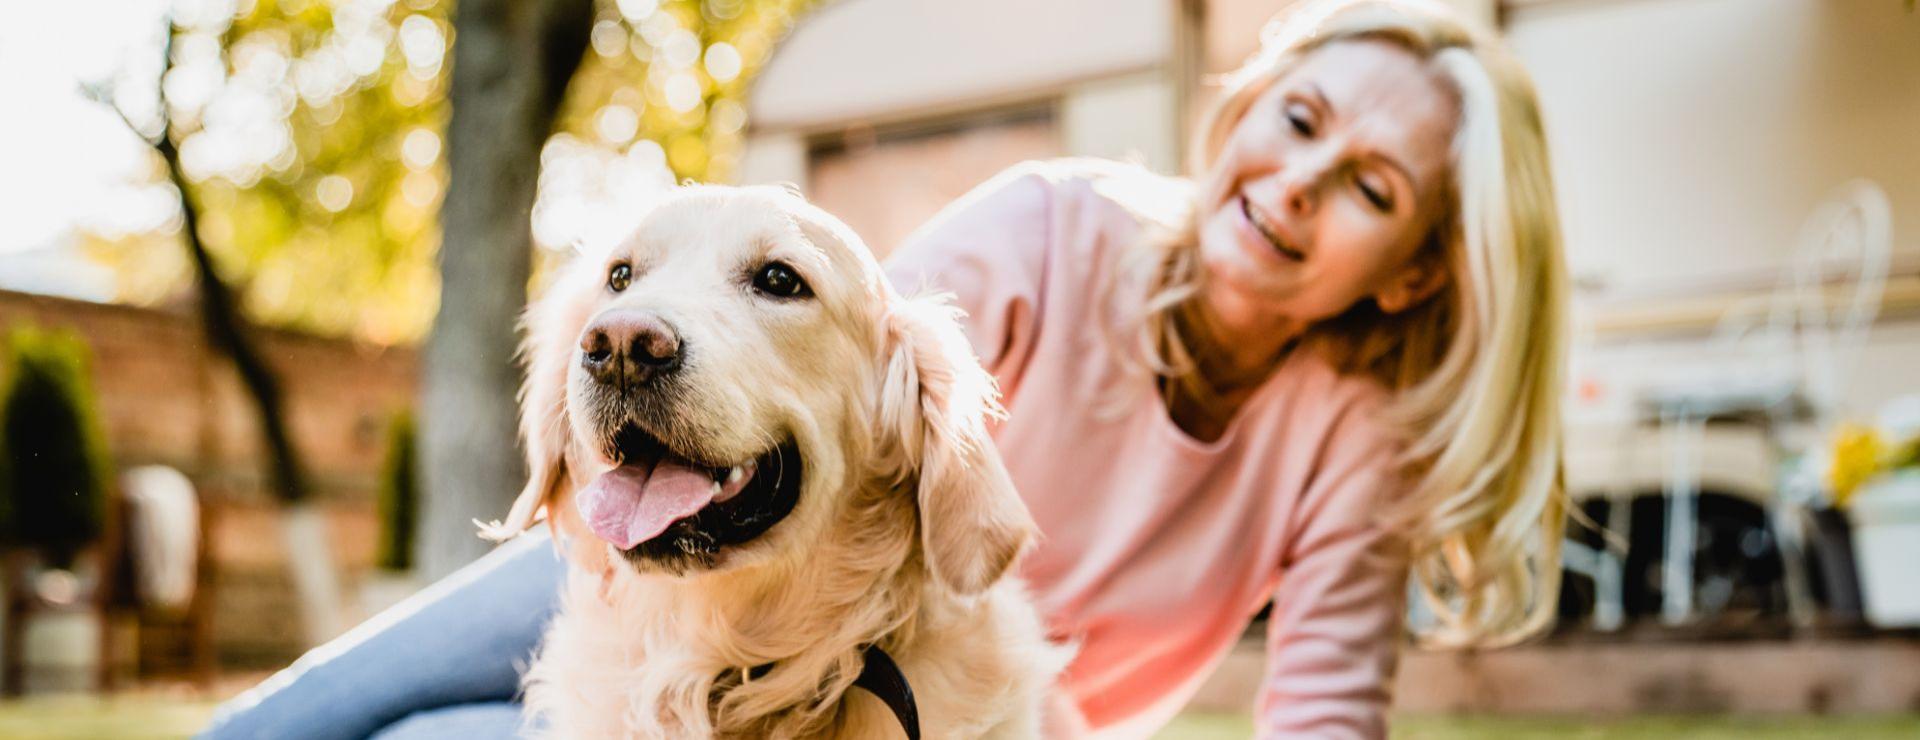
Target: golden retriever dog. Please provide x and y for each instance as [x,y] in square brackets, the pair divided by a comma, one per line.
[760,460]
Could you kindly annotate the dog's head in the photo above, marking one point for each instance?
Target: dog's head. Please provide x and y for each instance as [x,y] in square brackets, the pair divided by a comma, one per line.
[710,393]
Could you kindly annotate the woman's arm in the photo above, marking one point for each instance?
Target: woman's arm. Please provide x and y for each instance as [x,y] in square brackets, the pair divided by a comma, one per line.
[465,639]
[1335,627]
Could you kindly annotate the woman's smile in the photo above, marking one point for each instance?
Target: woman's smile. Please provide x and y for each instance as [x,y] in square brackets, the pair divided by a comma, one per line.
[1267,232]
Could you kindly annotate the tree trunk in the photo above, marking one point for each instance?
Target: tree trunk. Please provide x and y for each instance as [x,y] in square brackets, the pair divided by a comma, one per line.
[511,62]
[309,554]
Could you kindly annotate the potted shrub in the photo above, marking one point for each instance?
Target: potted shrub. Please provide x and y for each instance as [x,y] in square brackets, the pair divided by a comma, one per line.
[56,485]
[1875,478]
[58,470]
[392,578]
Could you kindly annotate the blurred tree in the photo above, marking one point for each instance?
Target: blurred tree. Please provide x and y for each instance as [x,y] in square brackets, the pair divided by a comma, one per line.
[312,138]
[228,330]
[511,66]
[55,450]
[678,85]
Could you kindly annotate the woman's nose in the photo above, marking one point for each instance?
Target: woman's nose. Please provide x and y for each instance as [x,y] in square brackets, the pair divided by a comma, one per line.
[1299,193]
[1301,180]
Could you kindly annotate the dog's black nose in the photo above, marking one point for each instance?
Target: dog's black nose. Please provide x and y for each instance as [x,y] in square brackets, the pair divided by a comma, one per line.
[625,348]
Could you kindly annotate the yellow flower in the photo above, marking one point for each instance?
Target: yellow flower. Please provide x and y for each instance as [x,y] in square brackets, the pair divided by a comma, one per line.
[1906,455]
[1858,454]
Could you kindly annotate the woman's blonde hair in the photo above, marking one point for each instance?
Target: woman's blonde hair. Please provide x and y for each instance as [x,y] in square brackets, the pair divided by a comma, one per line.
[1477,369]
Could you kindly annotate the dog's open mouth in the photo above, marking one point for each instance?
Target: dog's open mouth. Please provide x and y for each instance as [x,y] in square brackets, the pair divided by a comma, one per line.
[662,506]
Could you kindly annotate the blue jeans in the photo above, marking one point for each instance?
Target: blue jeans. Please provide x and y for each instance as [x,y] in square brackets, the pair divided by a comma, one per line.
[444,664]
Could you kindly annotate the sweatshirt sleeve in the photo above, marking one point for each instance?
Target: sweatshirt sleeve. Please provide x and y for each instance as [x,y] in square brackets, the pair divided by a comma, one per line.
[1334,632]
[989,249]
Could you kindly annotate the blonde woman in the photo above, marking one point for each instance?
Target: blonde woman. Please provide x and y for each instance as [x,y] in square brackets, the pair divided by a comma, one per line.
[1329,360]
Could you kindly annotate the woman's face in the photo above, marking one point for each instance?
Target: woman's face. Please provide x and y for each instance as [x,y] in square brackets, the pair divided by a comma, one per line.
[1328,186]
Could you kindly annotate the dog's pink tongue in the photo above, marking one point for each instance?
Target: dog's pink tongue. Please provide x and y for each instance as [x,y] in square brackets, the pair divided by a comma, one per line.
[635,503]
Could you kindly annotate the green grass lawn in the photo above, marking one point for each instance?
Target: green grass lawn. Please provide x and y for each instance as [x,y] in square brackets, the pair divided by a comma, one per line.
[149,718]
[1211,726]
[89,718]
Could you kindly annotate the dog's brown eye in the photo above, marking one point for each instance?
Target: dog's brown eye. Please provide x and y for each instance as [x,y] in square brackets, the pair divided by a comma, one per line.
[780,281]
[620,277]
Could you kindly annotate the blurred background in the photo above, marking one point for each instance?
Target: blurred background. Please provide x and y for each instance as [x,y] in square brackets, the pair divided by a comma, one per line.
[260,260]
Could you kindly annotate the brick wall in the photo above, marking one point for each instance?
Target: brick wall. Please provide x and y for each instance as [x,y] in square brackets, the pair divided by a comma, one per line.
[885,186]
[167,398]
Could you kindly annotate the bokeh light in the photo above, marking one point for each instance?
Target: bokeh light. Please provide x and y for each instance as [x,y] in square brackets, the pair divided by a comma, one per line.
[723,62]
[636,10]
[591,195]
[334,192]
[617,124]
[421,148]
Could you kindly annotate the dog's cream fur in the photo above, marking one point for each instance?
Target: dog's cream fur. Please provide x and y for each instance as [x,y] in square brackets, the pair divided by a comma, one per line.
[904,529]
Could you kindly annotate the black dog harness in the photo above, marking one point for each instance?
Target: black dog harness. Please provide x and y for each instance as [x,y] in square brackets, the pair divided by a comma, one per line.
[883,678]
[880,676]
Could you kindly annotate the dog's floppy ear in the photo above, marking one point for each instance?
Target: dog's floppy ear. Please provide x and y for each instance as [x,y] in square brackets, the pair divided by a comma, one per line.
[934,405]
[544,429]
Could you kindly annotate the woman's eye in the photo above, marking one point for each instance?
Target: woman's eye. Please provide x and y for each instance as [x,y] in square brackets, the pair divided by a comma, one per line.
[1300,118]
[780,281]
[1375,194]
[619,277]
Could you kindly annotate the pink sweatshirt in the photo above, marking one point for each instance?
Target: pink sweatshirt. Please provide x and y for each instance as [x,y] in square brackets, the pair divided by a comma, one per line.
[1159,548]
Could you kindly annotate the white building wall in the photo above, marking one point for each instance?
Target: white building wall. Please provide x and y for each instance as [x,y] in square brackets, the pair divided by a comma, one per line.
[1692,137]
[1133,118]
[773,157]
[884,59]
